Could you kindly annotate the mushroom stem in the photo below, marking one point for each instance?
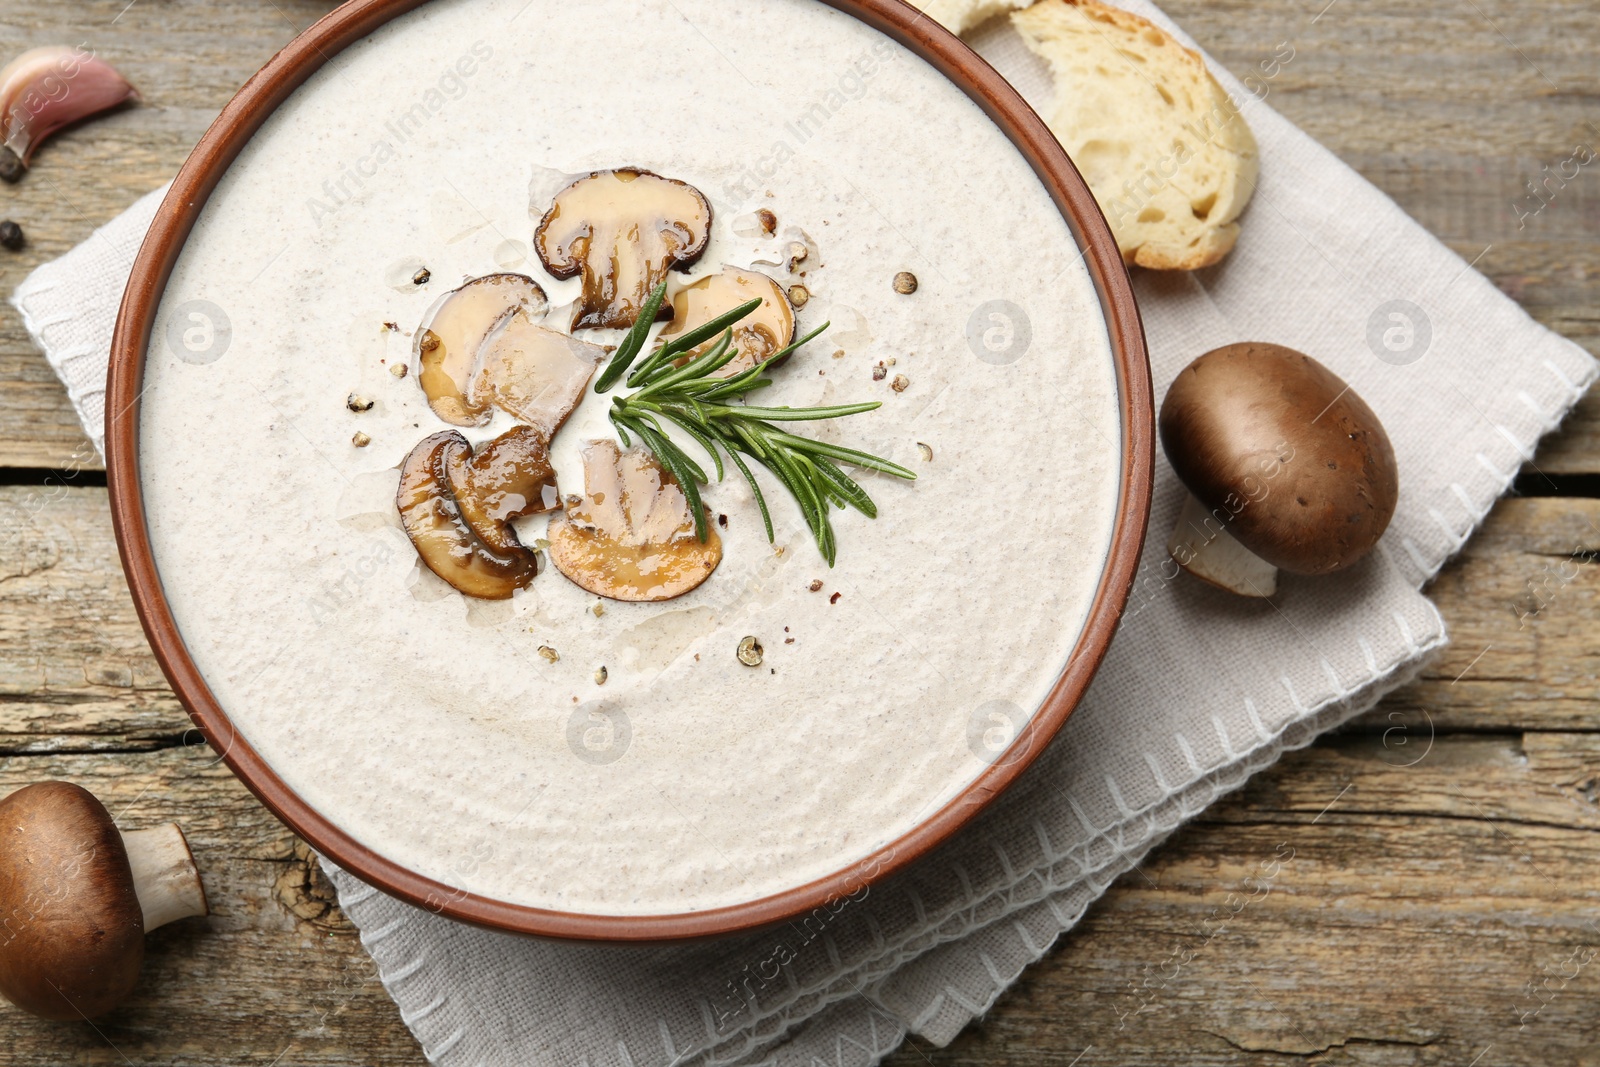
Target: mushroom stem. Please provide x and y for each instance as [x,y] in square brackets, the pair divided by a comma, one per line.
[165,878]
[1201,544]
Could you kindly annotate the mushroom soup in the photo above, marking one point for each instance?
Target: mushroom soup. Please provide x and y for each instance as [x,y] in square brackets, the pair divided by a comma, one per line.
[667,719]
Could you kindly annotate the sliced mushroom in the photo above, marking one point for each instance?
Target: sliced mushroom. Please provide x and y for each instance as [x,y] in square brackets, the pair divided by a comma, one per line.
[78,898]
[448,346]
[631,536]
[1289,468]
[759,334]
[534,373]
[442,536]
[622,230]
[505,479]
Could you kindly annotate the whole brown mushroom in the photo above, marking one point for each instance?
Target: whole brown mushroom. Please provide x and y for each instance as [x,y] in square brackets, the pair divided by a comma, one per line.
[78,898]
[1288,468]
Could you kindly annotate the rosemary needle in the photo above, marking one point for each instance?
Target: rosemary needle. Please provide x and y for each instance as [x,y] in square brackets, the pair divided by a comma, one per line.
[701,405]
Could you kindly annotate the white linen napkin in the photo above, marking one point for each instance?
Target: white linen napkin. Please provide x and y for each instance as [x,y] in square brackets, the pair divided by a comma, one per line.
[1199,691]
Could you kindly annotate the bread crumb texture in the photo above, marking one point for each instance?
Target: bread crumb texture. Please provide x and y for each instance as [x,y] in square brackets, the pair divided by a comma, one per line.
[1163,147]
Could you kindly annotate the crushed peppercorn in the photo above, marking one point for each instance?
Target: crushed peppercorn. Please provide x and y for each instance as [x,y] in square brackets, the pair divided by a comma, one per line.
[749,651]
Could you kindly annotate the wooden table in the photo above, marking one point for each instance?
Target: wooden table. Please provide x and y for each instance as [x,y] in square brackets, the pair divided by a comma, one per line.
[1443,901]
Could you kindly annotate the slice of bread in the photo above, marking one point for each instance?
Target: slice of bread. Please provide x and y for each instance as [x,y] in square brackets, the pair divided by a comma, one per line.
[959,16]
[1166,152]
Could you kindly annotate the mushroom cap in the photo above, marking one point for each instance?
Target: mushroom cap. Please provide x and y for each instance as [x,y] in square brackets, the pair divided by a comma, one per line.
[504,479]
[533,373]
[72,938]
[1284,452]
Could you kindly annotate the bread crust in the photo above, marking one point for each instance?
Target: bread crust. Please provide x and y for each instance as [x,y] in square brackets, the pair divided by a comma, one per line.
[1169,158]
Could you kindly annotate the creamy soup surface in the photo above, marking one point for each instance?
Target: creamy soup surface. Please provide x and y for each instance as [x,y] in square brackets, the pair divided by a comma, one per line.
[431,727]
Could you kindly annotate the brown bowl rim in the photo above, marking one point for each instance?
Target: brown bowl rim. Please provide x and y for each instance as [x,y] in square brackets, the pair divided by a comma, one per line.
[205,166]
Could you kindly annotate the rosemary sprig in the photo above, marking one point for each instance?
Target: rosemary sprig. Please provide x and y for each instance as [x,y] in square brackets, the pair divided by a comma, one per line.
[700,405]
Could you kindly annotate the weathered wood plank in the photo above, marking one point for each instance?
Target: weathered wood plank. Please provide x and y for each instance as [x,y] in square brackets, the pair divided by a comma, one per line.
[76,672]
[1414,905]
[1386,914]
[1523,606]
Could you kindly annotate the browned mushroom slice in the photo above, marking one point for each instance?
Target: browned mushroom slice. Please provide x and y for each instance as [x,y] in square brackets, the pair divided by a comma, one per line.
[447,347]
[534,373]
[758,335]
[509,477]
[631,536]
[622,230]
[447,545]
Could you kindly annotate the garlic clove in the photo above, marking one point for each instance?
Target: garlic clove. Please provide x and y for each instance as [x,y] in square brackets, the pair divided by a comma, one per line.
[43,90]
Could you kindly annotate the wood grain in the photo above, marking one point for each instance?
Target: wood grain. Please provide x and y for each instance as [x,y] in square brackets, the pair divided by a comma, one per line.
[1444,846]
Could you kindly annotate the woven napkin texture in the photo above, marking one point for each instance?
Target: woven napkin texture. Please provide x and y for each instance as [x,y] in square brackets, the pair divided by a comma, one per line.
[1199,691]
